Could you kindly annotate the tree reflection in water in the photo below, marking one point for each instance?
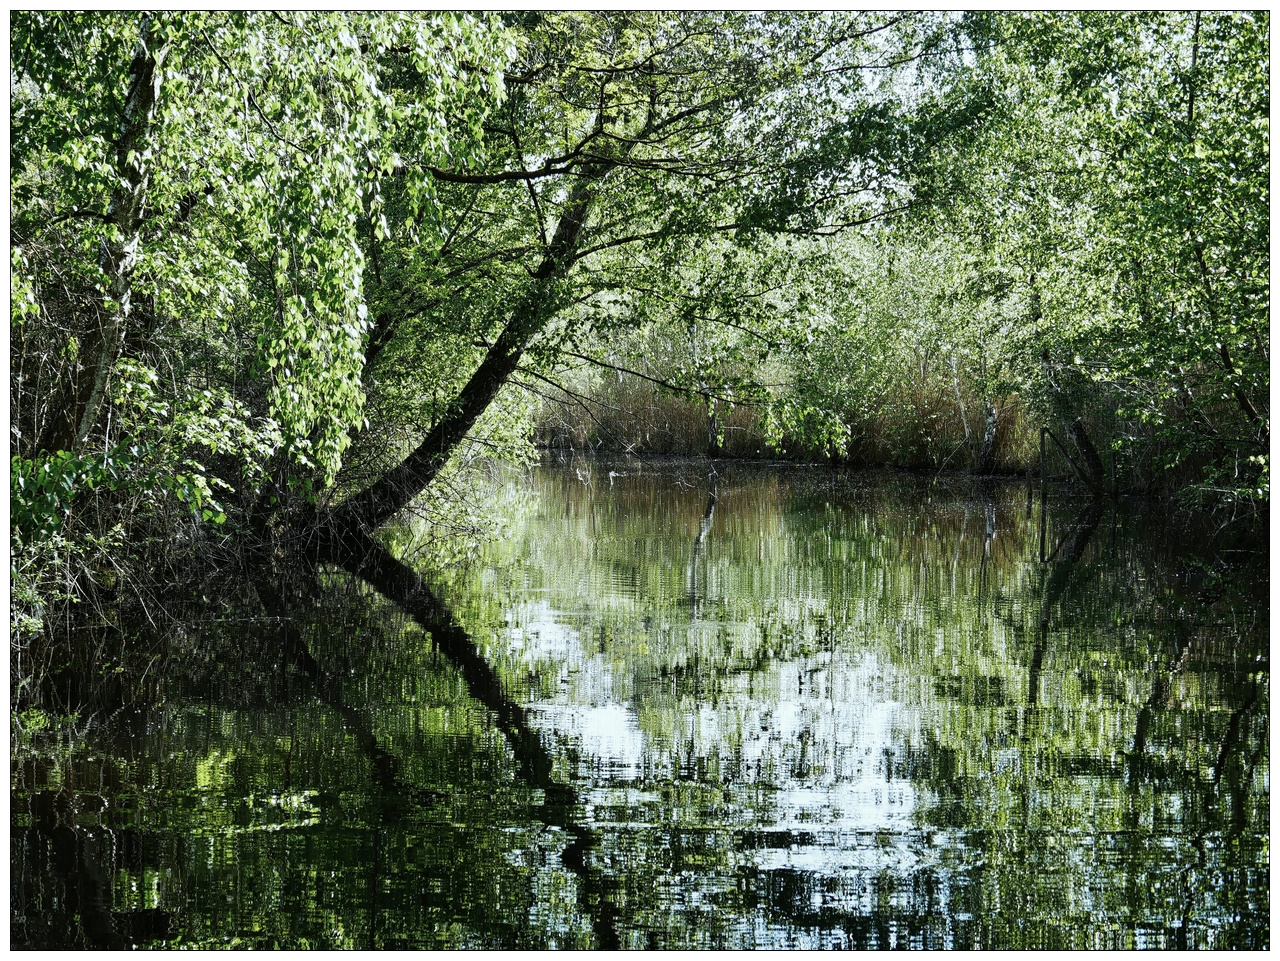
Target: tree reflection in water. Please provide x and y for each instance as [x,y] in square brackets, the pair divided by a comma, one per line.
[755,709]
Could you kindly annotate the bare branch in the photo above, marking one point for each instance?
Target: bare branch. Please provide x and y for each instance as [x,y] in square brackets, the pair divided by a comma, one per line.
[668,385]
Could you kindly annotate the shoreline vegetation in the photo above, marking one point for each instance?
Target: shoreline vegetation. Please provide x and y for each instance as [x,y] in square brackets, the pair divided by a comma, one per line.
[918,435]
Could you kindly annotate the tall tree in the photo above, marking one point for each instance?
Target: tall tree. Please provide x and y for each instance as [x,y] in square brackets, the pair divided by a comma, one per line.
[636,131]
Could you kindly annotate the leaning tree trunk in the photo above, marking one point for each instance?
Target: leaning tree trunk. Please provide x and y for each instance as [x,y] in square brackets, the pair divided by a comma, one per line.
[118,251]
[391,493]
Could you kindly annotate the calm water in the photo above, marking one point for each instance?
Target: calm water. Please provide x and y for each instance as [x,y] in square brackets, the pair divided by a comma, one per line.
[668,709]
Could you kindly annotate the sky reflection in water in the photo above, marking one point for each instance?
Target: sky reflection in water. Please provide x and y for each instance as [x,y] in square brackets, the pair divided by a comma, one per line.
[776,708]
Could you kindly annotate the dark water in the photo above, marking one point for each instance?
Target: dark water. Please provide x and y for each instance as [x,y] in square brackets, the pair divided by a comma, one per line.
[764,709]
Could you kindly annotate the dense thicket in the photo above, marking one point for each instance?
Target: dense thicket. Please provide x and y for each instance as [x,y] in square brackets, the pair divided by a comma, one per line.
[286,274]
[1091,256]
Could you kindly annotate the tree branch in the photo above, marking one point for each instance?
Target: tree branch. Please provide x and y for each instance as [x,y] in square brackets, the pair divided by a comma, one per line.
[676,388]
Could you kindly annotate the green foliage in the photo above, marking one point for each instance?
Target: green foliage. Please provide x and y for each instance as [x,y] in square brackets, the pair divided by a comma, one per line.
[272,135]
[236,375]
[1141,146]
[845,231]
[1098,254]
[43,490]
[308,158]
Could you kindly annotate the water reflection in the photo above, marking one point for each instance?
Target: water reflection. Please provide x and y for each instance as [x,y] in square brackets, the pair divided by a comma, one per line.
[673,709]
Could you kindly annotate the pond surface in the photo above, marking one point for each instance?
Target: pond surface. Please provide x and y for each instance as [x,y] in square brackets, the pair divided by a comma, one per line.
[666,708]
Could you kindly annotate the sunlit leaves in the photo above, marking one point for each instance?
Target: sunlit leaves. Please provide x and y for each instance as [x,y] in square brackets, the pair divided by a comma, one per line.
[287,123]
[1109,213]
[272,136]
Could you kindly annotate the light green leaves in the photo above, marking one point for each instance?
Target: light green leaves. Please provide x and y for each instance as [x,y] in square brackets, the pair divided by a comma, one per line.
[272,138]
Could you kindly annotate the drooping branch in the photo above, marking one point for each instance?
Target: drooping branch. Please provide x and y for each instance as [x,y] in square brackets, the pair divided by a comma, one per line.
[703,393]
